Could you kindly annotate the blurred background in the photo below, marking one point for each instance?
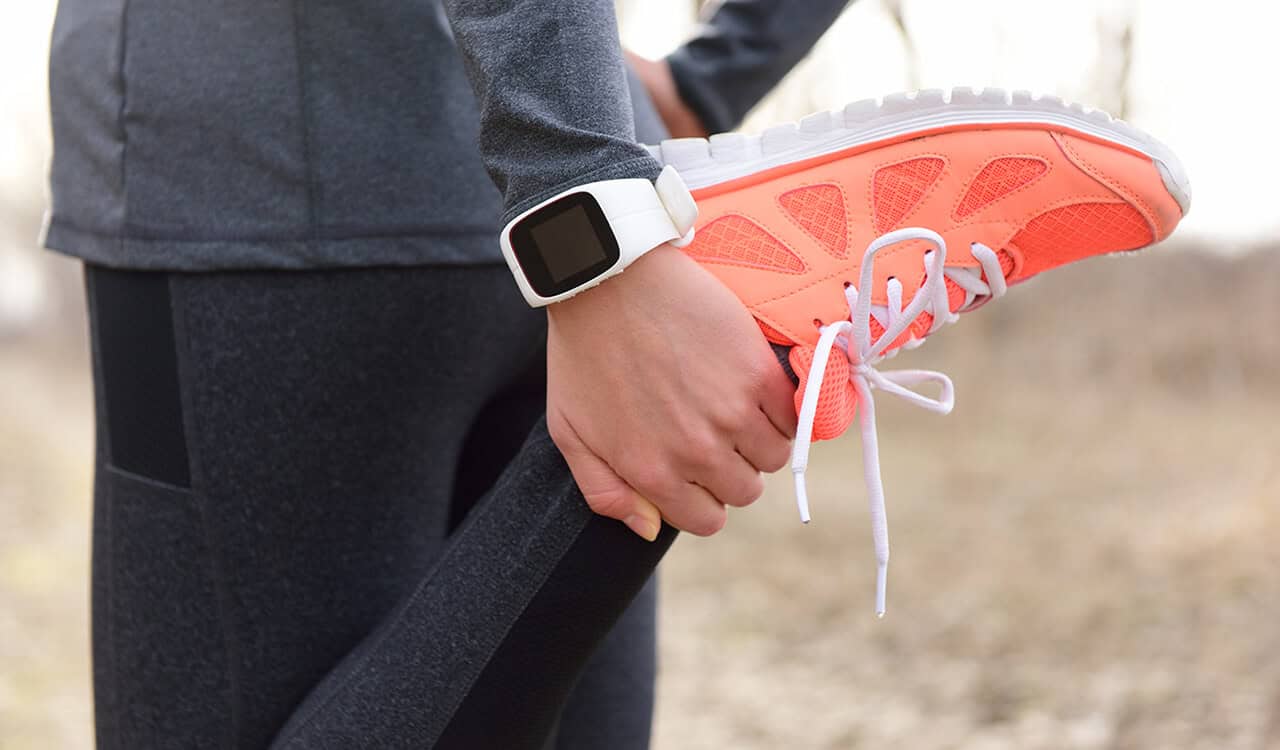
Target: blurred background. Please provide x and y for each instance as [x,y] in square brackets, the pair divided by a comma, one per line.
[1086,552]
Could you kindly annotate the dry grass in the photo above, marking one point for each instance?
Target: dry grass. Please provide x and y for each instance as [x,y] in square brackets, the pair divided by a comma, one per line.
[1085,552]
[46,448]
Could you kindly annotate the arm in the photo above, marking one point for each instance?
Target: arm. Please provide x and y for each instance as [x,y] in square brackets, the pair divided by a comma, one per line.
[554,106]
[661,393]
[742,51]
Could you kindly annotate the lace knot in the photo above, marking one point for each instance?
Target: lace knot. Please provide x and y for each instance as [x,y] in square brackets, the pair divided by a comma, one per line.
[853,338]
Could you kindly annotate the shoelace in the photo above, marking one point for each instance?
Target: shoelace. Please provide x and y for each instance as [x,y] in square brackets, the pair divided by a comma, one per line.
[853,337]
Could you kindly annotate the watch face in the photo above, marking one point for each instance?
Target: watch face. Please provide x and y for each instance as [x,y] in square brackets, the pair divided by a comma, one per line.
[564,244]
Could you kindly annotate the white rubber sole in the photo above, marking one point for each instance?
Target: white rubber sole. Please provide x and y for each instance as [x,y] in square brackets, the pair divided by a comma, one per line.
[727,156]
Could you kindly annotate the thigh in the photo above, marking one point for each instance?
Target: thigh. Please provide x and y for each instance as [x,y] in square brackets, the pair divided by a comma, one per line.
[277,458]
[611,705]
[486,650]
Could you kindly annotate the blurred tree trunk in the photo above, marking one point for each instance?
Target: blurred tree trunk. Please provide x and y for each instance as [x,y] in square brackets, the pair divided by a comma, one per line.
[1113,72]
[909,52]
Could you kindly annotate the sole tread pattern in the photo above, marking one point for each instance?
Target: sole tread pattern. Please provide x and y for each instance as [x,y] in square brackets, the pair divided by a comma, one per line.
[727,156]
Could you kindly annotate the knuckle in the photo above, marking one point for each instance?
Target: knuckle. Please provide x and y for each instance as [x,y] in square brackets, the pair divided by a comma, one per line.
[611,503]
[767,373]
[650,478]
[702,448]
[560,434]
[708,523]
[779,456]
[747,412]
[736,414]
[690,433]
[748,490]
[776,463]
[695,447]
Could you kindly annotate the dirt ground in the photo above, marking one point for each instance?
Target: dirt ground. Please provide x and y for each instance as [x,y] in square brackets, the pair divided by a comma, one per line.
[1086,552]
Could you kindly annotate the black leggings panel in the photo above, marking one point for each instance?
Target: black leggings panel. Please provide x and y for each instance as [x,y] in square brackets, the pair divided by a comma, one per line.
[328,515]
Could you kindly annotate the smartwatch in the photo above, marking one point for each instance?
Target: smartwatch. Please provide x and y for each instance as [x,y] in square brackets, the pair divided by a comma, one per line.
[588,233]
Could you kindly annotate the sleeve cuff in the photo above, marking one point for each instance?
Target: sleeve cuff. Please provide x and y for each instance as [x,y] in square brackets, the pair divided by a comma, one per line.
[645,167]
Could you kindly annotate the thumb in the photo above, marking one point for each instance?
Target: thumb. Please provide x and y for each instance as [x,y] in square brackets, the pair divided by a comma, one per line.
[606,493]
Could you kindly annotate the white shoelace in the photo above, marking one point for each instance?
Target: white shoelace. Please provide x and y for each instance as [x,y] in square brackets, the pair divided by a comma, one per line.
[853,337]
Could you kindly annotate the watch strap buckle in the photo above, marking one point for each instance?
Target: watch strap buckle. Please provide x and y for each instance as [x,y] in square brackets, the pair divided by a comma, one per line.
[678,202]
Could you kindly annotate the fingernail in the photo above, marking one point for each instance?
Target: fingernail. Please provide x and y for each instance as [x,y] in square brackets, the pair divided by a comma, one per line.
[643,527]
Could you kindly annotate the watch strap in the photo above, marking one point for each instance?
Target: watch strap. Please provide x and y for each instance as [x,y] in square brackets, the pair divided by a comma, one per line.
[641,215]
[646,214]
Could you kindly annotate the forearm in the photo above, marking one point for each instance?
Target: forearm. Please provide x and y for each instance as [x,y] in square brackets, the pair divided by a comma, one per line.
[554,106]
[743,50]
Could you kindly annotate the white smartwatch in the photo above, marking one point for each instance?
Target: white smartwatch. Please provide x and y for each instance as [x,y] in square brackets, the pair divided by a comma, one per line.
[586,234]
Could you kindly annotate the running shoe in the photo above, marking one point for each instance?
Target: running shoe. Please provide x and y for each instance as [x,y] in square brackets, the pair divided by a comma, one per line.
[865,230]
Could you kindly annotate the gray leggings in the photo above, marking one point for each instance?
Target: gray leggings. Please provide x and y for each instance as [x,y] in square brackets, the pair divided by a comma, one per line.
[328,515]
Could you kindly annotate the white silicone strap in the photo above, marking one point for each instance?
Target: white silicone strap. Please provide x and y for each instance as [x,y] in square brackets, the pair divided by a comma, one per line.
[642,215]
[639,220]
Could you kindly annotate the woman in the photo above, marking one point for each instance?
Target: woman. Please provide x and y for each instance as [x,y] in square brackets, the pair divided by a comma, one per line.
[328,512]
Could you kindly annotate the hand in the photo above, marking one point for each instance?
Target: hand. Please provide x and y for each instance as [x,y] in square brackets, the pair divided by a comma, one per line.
[656,76]
[664,397]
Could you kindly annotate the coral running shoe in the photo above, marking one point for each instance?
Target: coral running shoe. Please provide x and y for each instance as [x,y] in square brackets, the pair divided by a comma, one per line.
[867,229]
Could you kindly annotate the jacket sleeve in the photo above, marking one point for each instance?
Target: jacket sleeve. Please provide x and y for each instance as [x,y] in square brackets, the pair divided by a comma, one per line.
[742,51]
[554,107]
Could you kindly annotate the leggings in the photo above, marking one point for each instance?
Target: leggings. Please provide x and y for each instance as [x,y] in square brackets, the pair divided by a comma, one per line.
[328,514]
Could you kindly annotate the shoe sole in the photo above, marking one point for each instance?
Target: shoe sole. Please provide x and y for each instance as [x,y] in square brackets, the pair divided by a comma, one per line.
[726,157]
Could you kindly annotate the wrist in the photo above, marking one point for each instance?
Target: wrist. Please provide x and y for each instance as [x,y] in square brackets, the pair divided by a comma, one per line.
[573,241]
[617,291]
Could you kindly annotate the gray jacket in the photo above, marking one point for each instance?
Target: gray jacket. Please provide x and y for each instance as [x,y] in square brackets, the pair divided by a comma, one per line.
[317,133]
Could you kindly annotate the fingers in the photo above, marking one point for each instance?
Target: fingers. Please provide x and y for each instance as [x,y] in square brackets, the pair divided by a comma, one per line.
[683,504]
[606,493]
[764,436]
[689,491]
[731,479]
[763,446]
[777,399]
[691,508]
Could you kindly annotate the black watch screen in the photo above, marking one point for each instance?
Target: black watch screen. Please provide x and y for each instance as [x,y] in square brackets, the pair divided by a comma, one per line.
[564,244]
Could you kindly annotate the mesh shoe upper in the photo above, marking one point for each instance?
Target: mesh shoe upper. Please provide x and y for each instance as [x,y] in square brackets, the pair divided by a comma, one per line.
[788,240]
